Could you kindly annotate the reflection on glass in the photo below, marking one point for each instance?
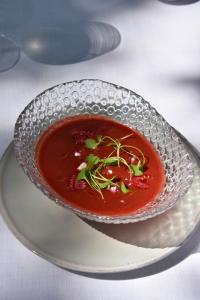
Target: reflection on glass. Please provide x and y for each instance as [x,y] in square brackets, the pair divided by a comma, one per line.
[9,53]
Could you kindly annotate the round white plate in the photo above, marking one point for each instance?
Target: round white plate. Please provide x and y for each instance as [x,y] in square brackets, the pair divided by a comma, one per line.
[64,239]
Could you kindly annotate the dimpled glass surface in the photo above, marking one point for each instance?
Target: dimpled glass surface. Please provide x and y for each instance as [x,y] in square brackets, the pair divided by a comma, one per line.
[99,97]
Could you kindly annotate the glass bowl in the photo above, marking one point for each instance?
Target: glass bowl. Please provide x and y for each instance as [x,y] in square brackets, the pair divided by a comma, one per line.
[90,96]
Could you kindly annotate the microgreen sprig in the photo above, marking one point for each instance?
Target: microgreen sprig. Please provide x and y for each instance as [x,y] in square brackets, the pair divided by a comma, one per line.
[92,173]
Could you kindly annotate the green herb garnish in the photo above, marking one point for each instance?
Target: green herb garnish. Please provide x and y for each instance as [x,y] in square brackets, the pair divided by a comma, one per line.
[137,169]
[124,188]
[110,160]
[92,143]
[83,175]
[92,159]
[92,173]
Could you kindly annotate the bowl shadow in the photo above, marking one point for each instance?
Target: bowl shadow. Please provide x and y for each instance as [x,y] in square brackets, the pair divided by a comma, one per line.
[178,2]
[9,54]
[168,229]
[171,229]
[72,43]
[188,247]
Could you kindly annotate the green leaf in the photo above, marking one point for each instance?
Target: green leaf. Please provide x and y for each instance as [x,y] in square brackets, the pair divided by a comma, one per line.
[92,159]
[82,175]
[111,160]
[91,143]
[137,169]
[103,185]
[124,188]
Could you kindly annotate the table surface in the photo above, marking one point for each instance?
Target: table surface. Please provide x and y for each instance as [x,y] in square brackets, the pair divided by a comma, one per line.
[158,57]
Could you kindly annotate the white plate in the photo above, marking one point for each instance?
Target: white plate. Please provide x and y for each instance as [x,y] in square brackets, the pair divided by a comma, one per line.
[64,239]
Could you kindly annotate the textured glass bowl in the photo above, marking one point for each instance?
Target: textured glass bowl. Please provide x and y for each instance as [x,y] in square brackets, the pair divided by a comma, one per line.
[91,96]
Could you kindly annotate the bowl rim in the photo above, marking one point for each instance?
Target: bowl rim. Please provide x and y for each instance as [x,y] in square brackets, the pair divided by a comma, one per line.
[109,219]
[75,81]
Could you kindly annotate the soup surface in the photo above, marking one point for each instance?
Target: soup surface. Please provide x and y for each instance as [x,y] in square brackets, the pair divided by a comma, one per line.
[99,165]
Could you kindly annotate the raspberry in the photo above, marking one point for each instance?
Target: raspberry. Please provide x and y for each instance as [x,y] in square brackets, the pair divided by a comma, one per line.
[74,184]
[80,136]
[141,182]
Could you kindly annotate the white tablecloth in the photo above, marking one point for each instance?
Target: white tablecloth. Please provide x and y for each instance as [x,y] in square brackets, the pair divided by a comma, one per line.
[158,57]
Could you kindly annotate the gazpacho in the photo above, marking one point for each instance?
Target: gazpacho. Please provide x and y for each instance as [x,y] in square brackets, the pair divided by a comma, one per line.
[99,165]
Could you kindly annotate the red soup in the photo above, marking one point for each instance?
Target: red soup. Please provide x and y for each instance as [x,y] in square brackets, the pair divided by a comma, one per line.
[99,165]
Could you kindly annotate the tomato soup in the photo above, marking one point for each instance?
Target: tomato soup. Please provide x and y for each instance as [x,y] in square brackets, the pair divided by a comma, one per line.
[99,165]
